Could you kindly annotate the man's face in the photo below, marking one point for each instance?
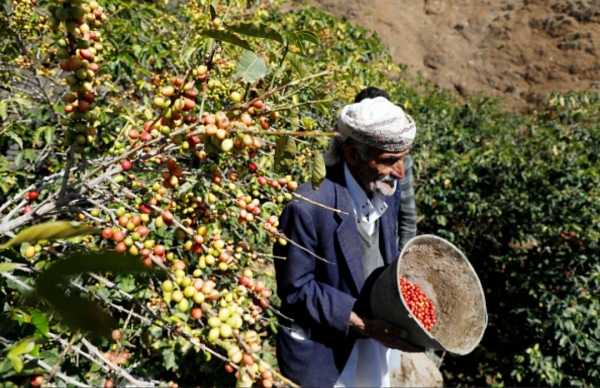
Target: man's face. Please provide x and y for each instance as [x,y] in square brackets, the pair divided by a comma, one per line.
[381,171]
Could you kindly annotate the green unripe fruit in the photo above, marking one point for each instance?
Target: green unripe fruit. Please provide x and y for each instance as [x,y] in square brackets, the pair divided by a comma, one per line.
[128,241]
[62,14]
[198,298]
[225,331]
[134,250]
[167,286]
[179,273]
[95,212]
[177,296]
[227,145]
[213,334]
[81,73]
[71,26]
[224,314]
[235,97]
[62,53]
[183,305]
[54,23]
[76,12]
[197,273]
[214,322]
[83,43]
[71,79]
[186,281]
[189,291]
[80,139]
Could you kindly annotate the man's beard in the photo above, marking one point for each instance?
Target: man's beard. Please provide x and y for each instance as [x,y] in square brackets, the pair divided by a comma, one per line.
[385,185]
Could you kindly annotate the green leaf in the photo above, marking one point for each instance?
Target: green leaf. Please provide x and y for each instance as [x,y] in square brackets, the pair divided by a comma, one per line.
[9,267]
[257,30]
[285,154]
[78,313]
[38,319]
[226,36]
[250,67]
[23,347]
[51,230]
[318,171]
[78,262]
[16,138]
[3,110]
[303,36]
[294,119]
[16,363]
[297,63]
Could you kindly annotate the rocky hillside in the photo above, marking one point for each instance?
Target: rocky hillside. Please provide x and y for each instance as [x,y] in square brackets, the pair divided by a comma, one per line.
[519,50]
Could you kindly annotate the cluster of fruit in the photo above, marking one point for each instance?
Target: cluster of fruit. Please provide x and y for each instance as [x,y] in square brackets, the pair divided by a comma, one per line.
[79,55]
[418,303]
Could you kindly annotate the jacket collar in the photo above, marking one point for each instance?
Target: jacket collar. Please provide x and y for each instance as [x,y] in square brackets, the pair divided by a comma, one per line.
[347,232]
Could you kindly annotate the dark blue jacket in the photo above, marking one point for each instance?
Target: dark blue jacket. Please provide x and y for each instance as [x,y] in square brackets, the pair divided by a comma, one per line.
[317,295]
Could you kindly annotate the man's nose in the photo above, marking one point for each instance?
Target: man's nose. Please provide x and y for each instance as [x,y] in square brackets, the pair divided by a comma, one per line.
[398,170]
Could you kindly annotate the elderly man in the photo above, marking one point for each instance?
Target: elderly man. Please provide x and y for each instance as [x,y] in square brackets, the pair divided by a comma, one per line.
[332,339]
[407,217]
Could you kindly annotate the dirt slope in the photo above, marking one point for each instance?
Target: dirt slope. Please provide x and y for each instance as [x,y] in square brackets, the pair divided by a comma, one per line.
[519,50]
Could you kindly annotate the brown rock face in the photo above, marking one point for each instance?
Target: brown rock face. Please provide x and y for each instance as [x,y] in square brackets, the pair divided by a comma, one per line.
[519,50]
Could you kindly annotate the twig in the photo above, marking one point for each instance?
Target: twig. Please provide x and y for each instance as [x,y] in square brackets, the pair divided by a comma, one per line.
[62,355]
[120,371]
[319,204]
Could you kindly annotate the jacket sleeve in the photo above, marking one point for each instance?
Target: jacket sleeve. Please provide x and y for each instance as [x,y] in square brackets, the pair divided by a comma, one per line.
[407,216]
[317,303]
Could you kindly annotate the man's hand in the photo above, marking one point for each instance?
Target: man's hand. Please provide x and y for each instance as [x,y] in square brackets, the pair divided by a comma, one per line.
[384,333]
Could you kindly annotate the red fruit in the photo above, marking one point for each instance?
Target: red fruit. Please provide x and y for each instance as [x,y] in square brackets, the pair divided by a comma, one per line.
[145,208]
[194,139]
[136,220]
[118,236]
[123,221]
[32,195]
[133,134]
[88,97]
[188,104]
[196,313]
[107,232]
[85,54]
[121,247]
[146,136]
[148,126]
[229,368]
[142,230]
[244,281]
[108,384]
[37,381]
[167,216]
[126,164]
[94,67]
[253,167]
[159,250]
[262,180]
[27,209]
[258,104]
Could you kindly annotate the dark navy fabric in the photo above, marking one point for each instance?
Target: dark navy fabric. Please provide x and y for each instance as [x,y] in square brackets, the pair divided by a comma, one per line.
[320,296]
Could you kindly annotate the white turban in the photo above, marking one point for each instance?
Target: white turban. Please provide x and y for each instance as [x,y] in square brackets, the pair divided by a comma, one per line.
[379,123]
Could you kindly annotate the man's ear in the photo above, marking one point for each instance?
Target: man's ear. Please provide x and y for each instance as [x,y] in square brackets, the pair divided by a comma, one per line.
[352,155]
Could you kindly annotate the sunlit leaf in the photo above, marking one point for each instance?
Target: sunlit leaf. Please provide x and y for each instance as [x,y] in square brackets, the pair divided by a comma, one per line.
[250,67]
[256,30]
[285,154]
[318,171]
[51,230]
[23,347]
[9,267]
[38,319]
[3,110]
[298,64]
[16,362]
[226,36]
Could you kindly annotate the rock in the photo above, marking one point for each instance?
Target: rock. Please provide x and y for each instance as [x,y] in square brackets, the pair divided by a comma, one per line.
[416,370]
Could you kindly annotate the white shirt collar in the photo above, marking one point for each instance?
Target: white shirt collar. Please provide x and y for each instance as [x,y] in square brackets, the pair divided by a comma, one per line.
[367,211]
